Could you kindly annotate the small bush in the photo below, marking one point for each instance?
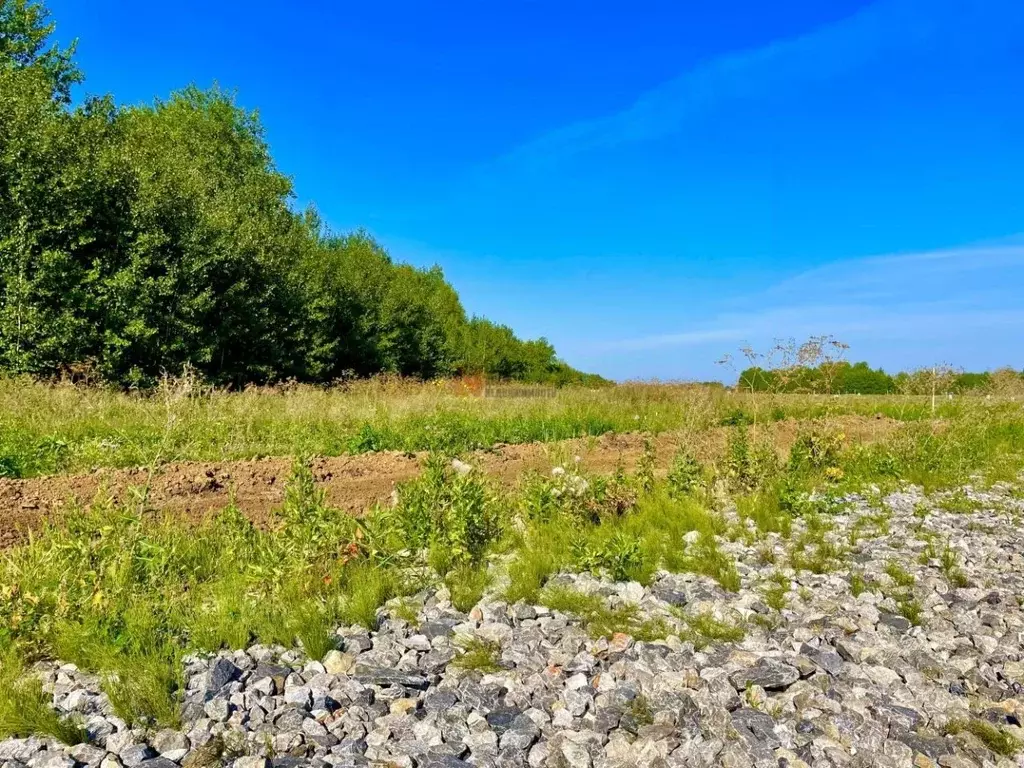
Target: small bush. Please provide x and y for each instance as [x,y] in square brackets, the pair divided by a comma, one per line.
[450,512]
[685,476]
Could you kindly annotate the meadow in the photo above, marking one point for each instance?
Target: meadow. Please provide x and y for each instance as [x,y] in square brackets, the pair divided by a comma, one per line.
[121,590]
[48,428]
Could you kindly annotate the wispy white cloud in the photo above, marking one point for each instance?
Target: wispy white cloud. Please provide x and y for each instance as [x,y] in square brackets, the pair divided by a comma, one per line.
[781,67]
[918,295]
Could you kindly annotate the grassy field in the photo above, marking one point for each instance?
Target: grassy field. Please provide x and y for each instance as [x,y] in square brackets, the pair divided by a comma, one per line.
[50,429]
[125,592]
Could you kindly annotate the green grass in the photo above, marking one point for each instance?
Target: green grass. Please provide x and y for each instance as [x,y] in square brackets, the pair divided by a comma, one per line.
[467,585]
[477,654]
[47,429]
[703,629]
[25,710]
[993,737]
[900,576]
[599,619]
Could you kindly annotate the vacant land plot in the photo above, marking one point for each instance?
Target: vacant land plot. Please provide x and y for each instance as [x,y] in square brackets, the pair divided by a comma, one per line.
[732,580]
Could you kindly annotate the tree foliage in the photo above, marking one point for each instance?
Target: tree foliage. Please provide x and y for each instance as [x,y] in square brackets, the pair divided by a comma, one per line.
[843,378]
[142,239]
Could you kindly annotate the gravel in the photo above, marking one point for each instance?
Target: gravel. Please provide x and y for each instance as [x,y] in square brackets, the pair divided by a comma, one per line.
[832,679]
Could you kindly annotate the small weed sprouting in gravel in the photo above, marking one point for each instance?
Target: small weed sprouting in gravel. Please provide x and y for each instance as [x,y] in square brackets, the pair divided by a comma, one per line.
[959,503]
[857,584]
[909,607]
[813,551]
[703,629]
[705,557]
[640,710]
[949,561]
[477,654]
[766,554]
[599,619]
[25,710]
[900,576]
[993,737]
[406,610]
[775,593]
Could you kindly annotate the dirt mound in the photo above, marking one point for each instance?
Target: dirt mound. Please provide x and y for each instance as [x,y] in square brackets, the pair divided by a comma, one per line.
[353,483]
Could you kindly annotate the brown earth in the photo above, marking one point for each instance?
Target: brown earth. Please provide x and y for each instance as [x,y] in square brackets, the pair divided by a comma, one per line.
[353,483]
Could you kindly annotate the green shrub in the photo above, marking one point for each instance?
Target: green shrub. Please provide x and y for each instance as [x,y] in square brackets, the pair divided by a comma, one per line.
[450,512]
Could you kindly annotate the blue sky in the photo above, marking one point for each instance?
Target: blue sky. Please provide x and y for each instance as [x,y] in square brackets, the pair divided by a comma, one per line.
[648,184]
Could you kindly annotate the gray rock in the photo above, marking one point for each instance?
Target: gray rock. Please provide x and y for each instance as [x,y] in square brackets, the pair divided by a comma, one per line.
[136,754]
[53,760]
[384,677]
[222,672]
[770,674]
[87,754]
[895,622]
[521,734]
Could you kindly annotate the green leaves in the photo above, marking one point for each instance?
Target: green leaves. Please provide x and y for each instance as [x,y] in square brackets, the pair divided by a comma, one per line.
[143,240]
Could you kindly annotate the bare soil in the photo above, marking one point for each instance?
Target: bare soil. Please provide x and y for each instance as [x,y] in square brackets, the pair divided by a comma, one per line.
[193,490]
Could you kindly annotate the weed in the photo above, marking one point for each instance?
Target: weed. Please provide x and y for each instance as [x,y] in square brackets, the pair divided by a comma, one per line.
[645,467]
[900,576]
[996,739]
[706,558]
[949,561]
[447,510]
[909,607]
[686,475]
[25,710]
[407,611]
[599,619]
[765,510]
[749,466]
[703,629]
[814,551]
[959,503]
[857,584]
[640,710]
[477,654]
[775,594]
[467,585]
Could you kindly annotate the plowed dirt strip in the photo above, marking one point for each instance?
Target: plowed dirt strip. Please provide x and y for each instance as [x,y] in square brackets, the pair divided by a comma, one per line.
[353,483]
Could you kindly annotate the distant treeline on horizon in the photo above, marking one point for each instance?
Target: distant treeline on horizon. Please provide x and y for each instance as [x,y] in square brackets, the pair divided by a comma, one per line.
[844,378]
[142,239]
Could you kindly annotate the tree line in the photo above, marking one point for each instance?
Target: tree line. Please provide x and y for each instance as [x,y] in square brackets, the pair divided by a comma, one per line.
[142,239]
[841,377]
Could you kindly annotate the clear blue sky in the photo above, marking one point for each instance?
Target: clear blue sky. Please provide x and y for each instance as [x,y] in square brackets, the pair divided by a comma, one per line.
[648,184]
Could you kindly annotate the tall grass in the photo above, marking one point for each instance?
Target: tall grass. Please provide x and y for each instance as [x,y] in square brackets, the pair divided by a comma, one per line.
[56,428]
